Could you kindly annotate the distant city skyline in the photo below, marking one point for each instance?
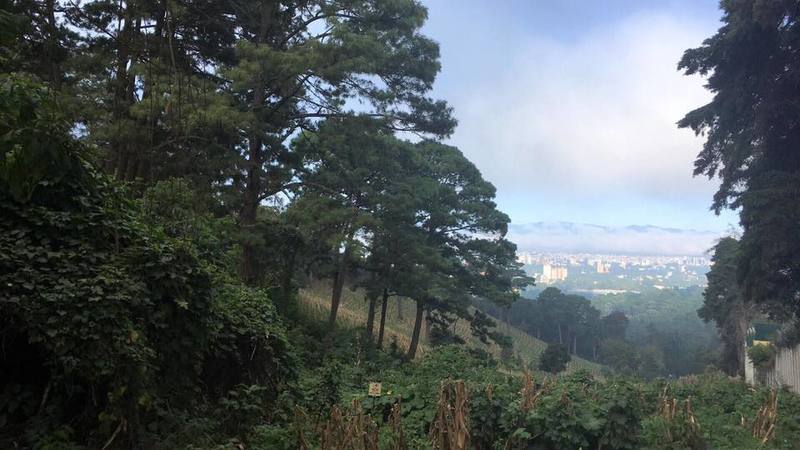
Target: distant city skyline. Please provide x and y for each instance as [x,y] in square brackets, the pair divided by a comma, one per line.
[602,261]
[603,273]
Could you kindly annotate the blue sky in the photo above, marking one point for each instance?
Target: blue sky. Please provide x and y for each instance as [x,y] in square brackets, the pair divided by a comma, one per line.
[569,107]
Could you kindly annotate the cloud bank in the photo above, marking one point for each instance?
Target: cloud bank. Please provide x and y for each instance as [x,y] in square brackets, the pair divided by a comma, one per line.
[631,240]
[562,122]
[590,116]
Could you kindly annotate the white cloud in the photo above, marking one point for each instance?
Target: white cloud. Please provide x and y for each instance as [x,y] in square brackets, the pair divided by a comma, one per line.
[589,117]
[631,240]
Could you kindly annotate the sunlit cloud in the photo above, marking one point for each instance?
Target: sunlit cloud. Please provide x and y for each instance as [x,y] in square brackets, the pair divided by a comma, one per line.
[590,117]
[632,240]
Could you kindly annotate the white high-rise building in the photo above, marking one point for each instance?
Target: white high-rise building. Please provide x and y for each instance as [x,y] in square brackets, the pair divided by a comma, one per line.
[551,273]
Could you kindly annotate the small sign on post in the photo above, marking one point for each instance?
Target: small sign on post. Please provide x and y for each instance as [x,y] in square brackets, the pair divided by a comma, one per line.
[374,389]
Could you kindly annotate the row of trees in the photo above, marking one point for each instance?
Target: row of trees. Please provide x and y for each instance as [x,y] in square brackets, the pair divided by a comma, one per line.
[565,319]
[415,220]
[752,136]
[650,334]
[725,305]
[213,91]
[664,328]
[284,115]
[172,171]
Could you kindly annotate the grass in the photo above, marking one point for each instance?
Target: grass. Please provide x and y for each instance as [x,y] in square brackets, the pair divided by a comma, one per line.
[315,303]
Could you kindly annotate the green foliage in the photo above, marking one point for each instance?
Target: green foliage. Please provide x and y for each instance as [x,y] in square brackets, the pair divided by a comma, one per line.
[326,389]
[762,356]
[573,413]
[724,304]
[554,359]
[101,299]
[243,407]
[674,434]
[182,212]
[109,317]
[124,323]
[35,141]
[620,355]
[487,410]
[749,126]
[670,338]
[622,410]
[248,343]
[561,419]
[557,317]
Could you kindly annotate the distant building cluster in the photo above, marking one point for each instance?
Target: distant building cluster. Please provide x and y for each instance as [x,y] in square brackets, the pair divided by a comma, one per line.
[552,273]
[578,259]
[653,270]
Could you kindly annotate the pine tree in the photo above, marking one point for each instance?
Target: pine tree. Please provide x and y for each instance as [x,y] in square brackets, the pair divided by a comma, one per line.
[752,138]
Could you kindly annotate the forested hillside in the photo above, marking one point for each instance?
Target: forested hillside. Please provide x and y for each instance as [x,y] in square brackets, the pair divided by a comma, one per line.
[665,326]
[524,352]
[210,212]
[656,333]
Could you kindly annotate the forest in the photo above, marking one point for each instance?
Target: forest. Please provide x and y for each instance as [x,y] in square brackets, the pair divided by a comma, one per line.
[656,333]
[178,178]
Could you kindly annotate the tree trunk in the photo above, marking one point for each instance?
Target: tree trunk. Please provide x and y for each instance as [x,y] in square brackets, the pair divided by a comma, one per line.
[399,309]
[574,344]
[741,336]
[254,164]
[412,348]
[427,327]
[53,44]
[338,281]
[123,93]
[560,341]
[247,216]
[286,280]
[143,169]
[368,332]
[381,327]
[336,293]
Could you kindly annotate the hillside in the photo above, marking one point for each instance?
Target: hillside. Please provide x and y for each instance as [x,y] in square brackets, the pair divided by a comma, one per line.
[315,302]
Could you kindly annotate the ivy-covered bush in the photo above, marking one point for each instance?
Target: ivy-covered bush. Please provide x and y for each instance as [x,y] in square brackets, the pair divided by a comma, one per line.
[104,318]
[576,414]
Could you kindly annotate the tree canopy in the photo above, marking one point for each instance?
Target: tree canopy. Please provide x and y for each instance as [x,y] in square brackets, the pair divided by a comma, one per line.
[172,172]
[752,135]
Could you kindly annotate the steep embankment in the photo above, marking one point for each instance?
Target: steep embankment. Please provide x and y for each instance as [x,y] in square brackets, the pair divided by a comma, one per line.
[315,302]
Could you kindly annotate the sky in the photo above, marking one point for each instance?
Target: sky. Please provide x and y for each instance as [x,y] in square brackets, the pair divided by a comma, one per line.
[570,107]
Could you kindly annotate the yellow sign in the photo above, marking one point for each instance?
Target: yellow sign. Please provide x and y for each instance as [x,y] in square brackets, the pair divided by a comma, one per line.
[374,390]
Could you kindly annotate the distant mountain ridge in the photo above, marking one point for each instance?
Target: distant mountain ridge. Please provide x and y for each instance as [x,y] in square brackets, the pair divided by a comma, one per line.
[570,237]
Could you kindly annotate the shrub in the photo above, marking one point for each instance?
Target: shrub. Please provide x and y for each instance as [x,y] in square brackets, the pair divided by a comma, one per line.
[621,411]
[762,355]
[105,318]
[554,359]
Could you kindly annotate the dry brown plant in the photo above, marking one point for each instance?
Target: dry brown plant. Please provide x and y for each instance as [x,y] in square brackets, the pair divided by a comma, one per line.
[299,425]
[450,427]
[529,393]
[349,430]
[766,418]
[396,425]
[668,409]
